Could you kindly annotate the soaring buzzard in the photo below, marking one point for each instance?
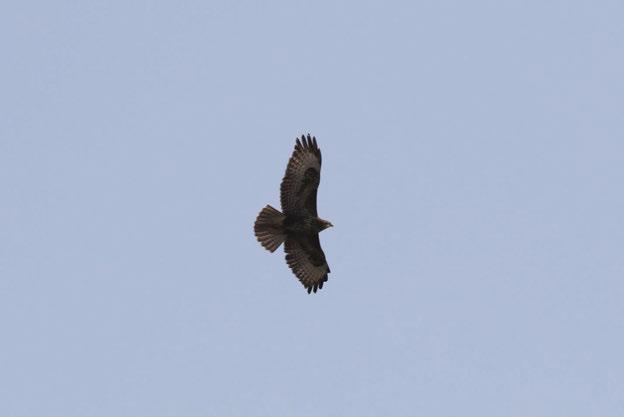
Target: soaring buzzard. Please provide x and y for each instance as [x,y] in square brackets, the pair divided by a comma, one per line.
[299,225]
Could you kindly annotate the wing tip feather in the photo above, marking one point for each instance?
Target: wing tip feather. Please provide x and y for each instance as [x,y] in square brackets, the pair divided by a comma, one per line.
[306,142]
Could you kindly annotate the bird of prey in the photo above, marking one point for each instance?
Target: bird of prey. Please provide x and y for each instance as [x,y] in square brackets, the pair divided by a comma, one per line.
[298,225]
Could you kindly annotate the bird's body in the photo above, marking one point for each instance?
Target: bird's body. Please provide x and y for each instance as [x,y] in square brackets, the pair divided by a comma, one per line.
[298,225]
[303,224]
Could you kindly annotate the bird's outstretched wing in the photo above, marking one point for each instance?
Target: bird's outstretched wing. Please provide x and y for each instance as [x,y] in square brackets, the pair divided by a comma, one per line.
[301,181]
[307,260]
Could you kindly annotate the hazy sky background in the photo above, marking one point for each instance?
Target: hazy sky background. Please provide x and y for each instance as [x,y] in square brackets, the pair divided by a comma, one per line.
[473,169]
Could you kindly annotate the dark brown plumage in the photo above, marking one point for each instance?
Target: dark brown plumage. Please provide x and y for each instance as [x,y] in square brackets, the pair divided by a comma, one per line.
[298,225]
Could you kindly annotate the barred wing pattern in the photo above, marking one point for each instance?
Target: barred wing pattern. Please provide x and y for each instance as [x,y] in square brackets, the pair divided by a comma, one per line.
[301,180]
[307,260]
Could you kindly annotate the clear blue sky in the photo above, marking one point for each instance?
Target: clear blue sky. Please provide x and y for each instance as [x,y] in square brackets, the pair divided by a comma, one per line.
[473,169]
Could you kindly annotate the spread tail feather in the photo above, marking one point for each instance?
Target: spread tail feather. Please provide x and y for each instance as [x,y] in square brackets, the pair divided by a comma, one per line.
[269,228]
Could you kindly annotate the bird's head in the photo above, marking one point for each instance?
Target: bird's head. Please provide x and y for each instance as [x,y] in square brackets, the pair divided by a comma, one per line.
[324,224]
